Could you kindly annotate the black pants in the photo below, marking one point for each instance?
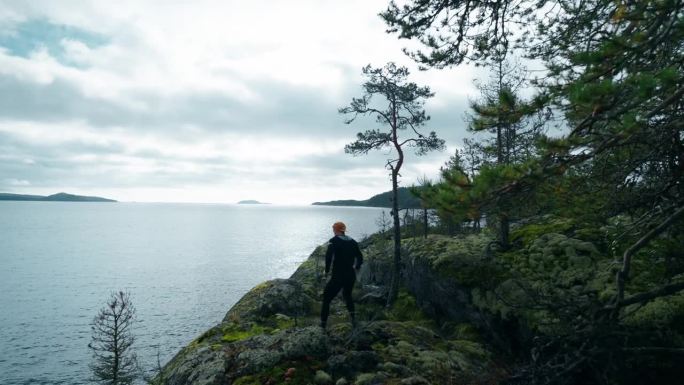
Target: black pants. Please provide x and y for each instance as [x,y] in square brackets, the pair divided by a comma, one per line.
[346,284]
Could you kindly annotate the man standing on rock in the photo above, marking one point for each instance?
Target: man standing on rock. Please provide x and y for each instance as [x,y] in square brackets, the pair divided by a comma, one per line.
[345,257]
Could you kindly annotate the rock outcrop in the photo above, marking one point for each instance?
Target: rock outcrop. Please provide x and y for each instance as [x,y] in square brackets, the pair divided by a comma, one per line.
[271,335]
[278,296]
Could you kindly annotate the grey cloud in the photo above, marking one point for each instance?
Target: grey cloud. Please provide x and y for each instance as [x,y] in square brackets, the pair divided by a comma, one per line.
[56,165]
[287,110]
[57,101]
[53,166]
[448,121]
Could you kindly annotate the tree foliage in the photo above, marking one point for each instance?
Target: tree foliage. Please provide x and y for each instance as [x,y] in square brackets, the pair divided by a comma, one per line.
[511,127]
[614,80]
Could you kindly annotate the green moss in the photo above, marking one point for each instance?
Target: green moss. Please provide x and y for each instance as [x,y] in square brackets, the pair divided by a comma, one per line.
[247,380]
[233,332]
[366,379]
[470,348]
[528,233]
[206,337]
[462,258]
[429,361]
[435,365]
[660,313]
[404,347]
[261,286]
[405,308]
[304,372]
[378,347]
[487,300]
[283,322]
[459,331]
[564,261]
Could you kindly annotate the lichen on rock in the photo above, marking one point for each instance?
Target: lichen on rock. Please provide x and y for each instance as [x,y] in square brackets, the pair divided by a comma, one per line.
[278,296]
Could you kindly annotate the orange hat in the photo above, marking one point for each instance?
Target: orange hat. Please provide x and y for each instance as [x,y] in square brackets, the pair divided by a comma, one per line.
[339,226]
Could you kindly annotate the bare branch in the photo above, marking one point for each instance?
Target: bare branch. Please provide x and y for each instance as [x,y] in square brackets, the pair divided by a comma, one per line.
[623,274]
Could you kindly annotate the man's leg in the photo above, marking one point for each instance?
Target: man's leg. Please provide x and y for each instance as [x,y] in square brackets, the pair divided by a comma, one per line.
[347,294]
[331,289]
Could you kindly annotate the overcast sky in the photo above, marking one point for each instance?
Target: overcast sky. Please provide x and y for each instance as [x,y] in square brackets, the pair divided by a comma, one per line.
[201,101]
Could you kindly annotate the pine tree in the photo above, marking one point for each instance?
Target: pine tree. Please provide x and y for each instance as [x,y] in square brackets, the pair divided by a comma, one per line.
[614,78]
[400,109]
[114,362]
[501,112]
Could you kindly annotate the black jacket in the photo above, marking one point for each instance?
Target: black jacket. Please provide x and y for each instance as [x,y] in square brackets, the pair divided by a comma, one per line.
[344,255]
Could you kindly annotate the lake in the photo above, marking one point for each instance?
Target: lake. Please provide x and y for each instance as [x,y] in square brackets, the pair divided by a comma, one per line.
[185,265]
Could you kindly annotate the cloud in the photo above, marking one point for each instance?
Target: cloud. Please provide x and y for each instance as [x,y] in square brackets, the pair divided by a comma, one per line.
[225,99]
[15,182]
[62,42]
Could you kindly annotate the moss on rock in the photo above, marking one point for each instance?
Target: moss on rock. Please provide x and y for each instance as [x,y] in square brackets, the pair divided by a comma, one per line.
[279,296]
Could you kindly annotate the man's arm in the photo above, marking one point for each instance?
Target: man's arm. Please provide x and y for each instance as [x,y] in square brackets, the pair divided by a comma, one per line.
[359,256]
[328,257]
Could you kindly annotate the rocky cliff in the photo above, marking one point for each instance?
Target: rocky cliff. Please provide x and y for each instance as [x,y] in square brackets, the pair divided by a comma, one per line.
[430,336]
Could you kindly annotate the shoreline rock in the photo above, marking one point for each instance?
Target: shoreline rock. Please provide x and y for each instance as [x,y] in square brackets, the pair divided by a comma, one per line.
[271,336]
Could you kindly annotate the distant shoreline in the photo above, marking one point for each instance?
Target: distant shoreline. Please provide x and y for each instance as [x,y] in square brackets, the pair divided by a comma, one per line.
[383,200]
[348,203]
[59,197]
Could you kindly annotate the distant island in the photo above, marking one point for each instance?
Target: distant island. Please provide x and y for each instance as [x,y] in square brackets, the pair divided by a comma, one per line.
[252,202]
[406,200]
[59,197]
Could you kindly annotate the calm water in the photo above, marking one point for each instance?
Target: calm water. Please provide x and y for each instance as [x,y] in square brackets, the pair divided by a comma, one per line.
[184,265]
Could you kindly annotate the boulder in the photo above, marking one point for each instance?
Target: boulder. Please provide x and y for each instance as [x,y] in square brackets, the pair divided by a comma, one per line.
[278,296]
[202,366]
[396,369]
[308,341]
[322,378]
[371,379]
[254,360]
[415,380]
[439,273]
[352,362]
[265,351]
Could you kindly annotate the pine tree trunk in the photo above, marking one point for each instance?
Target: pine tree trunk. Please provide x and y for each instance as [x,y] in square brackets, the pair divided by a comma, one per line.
[115,364]
[425,222]
[394,286]
[504,229]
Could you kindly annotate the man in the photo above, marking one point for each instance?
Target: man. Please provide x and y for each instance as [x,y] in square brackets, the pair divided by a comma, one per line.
[345,257]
